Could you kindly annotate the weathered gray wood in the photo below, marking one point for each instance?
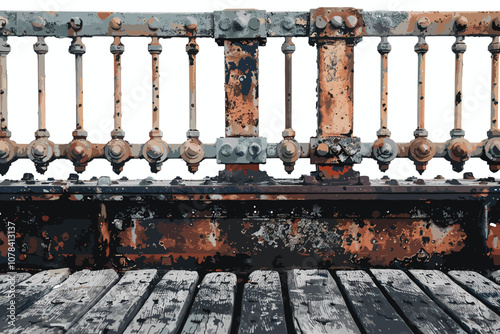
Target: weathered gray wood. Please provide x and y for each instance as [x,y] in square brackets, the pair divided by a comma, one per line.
[466,309]
[262,309]
[6,279]
[31,289]
[420,310]
[372,309]
[496,276]
[166,307]
[66,303]
[112,313]
[213,306]
[317,303]
[484,289]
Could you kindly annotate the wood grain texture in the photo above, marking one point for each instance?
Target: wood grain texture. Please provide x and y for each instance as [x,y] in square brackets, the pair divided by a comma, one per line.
[374,312]
[66,303]
[262,309]
[481,287]
[6,279]
[32,288]
[213,307]
[166,307]
[112,313]
[420,310]
[466,309]
[317,303]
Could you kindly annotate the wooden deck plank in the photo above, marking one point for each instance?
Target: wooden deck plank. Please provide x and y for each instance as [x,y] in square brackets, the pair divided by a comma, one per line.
[112,313]
[65,303]
[166,307]
[496,276]
[6,279]
[213,306]
[466,309]
[481,287]
[262,309]
[420,310]
[30,289]
[373,310]
[317,303]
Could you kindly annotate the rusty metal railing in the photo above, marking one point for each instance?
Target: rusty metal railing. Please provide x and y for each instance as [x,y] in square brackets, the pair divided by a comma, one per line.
[334,31]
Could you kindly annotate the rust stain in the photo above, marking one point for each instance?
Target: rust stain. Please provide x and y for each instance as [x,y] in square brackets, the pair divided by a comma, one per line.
[104,15]
[493,243]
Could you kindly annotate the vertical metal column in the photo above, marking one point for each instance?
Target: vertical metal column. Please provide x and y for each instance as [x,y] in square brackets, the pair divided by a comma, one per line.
[492,145]
[7,146]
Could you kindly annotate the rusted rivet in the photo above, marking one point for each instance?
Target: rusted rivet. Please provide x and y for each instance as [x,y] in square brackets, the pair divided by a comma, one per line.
[351,22]
[461,22]
[289,149]
[154,152]
[225,24]
[116,150]
[254,149]
[386,22]
[3,22]
[226,150]
[76,23]
[495,24]
[39,150]
[240,23]
[320,22]
[254,23]
[37,22]
[423,149]
[240,150]
[287,23]
[116,23]
[154,23]
[191,23]
[322,149]
[337,22]
[423,23]
[78,150]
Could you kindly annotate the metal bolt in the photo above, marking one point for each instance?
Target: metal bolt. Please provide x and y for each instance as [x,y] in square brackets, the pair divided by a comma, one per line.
[39,150]
[226,150]
[323,149]
[240,150]
[3,22]
[190,23]
[495,149]
[386,22]
[495,24]
[461,22]
[289,149]
[423,23]
[240,23]
[337,22]
[460,149]
[386,149]
[225,24]
[154,152]
[320,22]
[254,23]
[423,149]
[116,23]
[254,149]
[78,150]
[154,23]
[192,150]
[351,22]
[76,23]
[116,150]
[37,22]
[287,23]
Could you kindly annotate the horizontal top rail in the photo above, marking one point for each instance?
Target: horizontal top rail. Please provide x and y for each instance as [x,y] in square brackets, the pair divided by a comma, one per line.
[238,24]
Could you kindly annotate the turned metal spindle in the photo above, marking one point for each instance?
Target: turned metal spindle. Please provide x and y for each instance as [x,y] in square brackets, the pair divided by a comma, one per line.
[4,51]
[494,48]
[192,50]
[41,50]
[459,47]
[155,49]
[78,49]
[288,48]
[117,49]
[384,47]
[421,49]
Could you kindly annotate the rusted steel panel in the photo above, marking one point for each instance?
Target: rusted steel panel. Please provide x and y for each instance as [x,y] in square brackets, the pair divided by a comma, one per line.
[241,86]
[335,88]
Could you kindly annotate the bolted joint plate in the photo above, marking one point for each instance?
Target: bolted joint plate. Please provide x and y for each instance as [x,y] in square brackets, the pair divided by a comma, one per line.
[240,24]
[331,23]
[335,150]
[241,150]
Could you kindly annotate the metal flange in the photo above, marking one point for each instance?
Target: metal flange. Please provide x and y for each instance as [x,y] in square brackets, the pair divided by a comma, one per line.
[192,152]
[155,152]
[80,153]
[41,152]
[117,151]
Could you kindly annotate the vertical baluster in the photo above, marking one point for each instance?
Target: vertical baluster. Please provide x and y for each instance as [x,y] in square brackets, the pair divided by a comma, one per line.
[7,146]
[384,149]
[458,148]
[155,150]
[192,150]
[492,145]
[288,148]
[421,148]
[117,151]
[41,150]
[80,151]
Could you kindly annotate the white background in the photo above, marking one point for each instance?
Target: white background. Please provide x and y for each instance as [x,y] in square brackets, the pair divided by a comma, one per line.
[98,88]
